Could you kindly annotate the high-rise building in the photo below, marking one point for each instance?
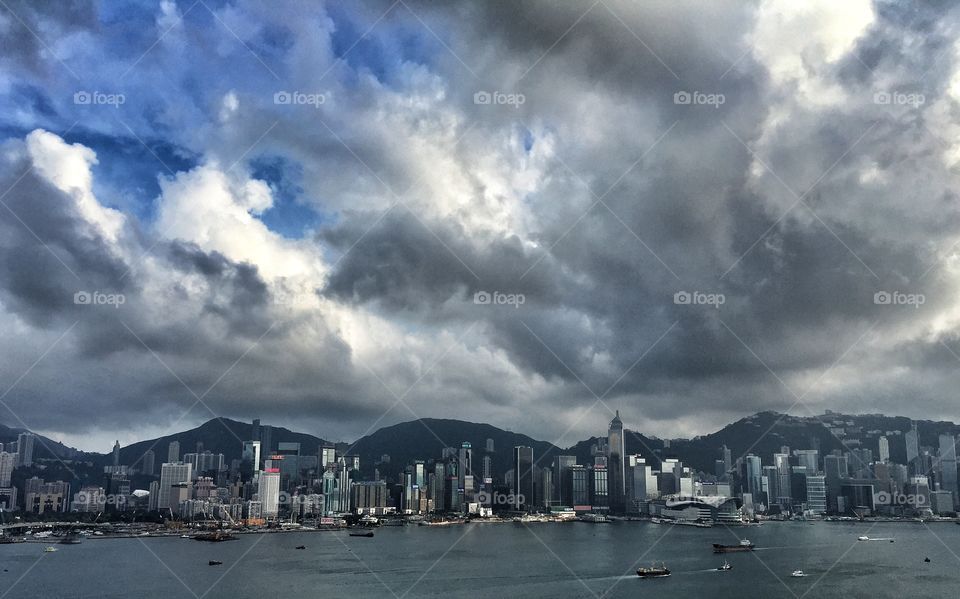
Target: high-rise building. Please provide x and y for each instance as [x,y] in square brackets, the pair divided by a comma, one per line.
[816,493]
[487,467]
[523,477]
[560,465]
[173,452]
[753,473]
[835,469]
[328,457]
[171,475]
[116,454]
[912,441]
[948,465]
[465,456]
[577,485]
[809,459]
[616,467]
[25,449]
[149,463]
[489,448]
[251,455]
[8,462]
[727,457]
[268,492]
[884,449]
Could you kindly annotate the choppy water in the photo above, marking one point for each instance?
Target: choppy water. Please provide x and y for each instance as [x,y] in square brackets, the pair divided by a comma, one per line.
[501,560]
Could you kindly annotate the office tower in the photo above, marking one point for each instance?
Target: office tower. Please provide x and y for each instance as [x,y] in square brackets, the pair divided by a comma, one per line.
[116,453]
[754,472]
[816,493]
[290,464]
[770,485]
[255,429]
[328,456]
[149,459]
[465,457]
[171,474]
[781,461]
[884,449]
[560,465]
[523,477]
[173,452]
[437,487]
[154,495]
[616,467]
[948,464]
[343,484]
[638,476]
[727,458]
[8,462]
[576,485]
[25,449]
[809,459]
[268,492]
[266,440]
[487,467]
[912,441]
[835,469]
[489,448]
[251,455]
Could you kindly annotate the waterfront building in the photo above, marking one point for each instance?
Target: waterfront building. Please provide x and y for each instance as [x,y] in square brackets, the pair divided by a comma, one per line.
[268,492]
[577,486]
[523,477]
[172,473]
[835,469]
[816,493]
[369,497]
[708,508]
[560,466]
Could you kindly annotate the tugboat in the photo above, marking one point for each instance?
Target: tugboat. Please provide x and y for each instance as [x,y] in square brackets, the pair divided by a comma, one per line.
[743,545]
[726,566]
[367,534]
[654,572]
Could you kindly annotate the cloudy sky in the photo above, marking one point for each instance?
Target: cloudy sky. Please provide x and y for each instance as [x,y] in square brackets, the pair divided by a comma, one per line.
[295,211]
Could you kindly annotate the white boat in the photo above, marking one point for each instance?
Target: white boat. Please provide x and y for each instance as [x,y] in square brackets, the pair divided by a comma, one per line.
[863,538]
[726,566]
[798,574]
[50,550]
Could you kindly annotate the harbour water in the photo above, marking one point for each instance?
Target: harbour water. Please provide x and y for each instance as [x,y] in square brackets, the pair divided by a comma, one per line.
[502,560]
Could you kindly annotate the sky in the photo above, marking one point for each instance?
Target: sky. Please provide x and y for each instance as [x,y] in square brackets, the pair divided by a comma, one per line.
[339,216]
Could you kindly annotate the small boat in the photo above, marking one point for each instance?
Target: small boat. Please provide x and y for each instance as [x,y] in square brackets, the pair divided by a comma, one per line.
[926,560]
[797,574]
[367,534]
[215,562]
[654,571]
[184,536]
[863,538]
[52,549]
[726,566]
[300,547]
[743,545]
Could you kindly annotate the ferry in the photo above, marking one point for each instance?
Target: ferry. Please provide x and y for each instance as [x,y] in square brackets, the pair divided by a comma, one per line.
[654,572]
[743,545]
[797,574]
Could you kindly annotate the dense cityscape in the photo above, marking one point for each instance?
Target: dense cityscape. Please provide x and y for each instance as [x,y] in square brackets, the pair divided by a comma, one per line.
[276,485]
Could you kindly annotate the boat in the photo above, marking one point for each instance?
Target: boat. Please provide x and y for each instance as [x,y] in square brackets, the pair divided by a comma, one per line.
[215,562]
[797,574]
[5,540]
[743,545]
[654,571]
[863,538]
[926,559]
[300,547]
[214,537]
[184,536]
[367,534]
[726,566]
[52,549]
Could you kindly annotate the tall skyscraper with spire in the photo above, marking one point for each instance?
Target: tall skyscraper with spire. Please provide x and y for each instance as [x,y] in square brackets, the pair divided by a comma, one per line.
[615,464]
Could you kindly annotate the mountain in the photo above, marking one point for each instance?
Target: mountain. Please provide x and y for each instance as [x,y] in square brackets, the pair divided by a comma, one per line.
[424,439]
[44,447]
[219,435]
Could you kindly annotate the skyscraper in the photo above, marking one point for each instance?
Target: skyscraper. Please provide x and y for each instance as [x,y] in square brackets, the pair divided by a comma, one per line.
[116,453]
[149,459]
[25,449]
[173,452]
[7,464]
[948,465]
[466,464]
[171,474]
[884,449]
[615,464]
[268,492]
[912,440]
[523,477]
[560,466]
